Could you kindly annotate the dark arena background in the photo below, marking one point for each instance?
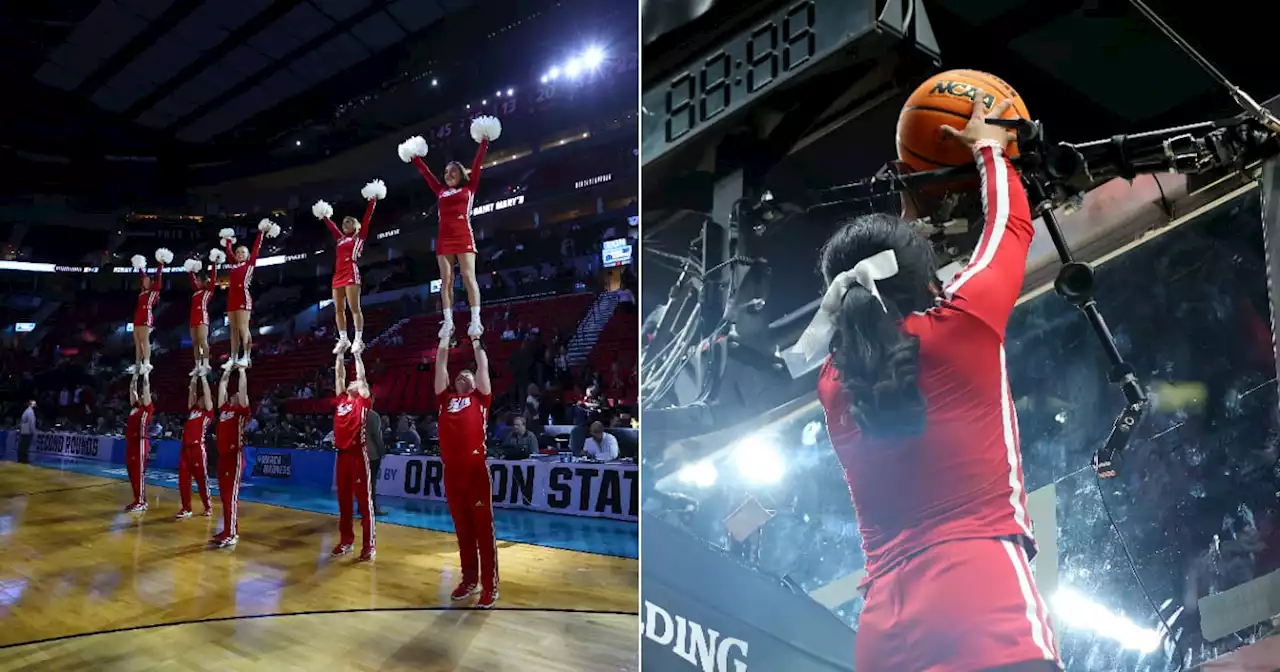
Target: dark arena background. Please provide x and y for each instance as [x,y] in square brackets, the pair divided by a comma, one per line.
[750,113]
[142,124]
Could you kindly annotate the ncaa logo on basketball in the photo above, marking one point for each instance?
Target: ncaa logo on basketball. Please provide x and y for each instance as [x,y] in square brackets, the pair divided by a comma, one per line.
[458,403]
[701,646]
[962,90]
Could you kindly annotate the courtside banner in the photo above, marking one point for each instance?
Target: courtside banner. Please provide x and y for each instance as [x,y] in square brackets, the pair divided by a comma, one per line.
[575,489]
[701,610]
[79,446]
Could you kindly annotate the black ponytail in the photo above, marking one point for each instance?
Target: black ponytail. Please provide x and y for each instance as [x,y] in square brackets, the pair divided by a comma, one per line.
[878,362]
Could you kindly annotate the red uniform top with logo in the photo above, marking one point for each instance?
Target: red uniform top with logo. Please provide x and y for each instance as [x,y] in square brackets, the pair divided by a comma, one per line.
[135,431]
[349,423]
[144,312]
[463,422]
[240,276]
[345,270]
[196,427]
[943,515]
[230,430]
[455,205]
[200,298]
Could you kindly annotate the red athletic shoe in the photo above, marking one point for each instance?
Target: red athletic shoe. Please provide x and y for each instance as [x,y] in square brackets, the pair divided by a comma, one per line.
[463,591]
[340,550]
[487,598]
[367,555]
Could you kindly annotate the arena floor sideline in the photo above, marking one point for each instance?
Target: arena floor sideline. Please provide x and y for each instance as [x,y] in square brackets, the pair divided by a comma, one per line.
[85,586]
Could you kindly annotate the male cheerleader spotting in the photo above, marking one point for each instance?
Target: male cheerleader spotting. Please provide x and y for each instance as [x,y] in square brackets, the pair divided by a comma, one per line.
[464,414]
[351,440]
[456,242]
[239,300]
[920,415]
[192,461]
[136,442]
[233,413]
[346,274]
[201,292]
[144,313]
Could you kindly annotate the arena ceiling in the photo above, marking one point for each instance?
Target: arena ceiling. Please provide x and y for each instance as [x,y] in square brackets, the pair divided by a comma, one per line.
[136,76]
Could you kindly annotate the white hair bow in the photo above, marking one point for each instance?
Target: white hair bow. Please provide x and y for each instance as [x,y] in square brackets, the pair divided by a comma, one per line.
[811,348]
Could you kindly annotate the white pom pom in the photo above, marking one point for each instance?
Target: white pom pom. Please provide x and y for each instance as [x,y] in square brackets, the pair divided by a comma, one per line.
[265,225]
[164,256]
[227,234]
[139,262]
[485,128]
[217,256]
[376,189]
[322,210]
[192,265]
[415,146]
[273,231]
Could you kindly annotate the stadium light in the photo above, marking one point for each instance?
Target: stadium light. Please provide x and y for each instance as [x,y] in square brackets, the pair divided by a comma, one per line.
[297,143]
[1080,612]
[758,460]
[498,93]
[554,73]
[511,92]
[573,68]
[434,81]
[593,57]
[484,102]
[702,474]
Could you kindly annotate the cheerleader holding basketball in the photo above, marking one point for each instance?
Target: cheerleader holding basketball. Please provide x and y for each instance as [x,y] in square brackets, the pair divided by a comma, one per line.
[239,301]
[202,291]
[456,242]
[144,312]
[350,241]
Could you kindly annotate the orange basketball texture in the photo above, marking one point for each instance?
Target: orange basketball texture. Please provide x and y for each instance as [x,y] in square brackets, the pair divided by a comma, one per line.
[946,99]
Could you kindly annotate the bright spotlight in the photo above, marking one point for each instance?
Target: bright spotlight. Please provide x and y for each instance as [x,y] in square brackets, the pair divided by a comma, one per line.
[702,474]
[758,460]
[297,143]
[511,92]
[1079,611]
[497,93]
[545,79]
[484,102]
[593,57]
[434,81]
[554,73]
[468,106]
[573,68]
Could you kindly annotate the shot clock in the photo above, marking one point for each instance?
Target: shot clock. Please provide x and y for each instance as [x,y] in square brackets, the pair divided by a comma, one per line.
[772,50]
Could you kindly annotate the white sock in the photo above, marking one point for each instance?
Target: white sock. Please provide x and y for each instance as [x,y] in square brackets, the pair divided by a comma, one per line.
[359,335]
[475,313]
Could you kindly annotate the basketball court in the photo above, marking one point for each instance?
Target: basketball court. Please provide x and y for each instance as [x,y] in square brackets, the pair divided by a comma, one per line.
[85,586]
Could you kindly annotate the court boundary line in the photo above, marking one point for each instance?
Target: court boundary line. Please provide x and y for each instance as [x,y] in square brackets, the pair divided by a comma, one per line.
[378,520]
[318,612]
[46,492]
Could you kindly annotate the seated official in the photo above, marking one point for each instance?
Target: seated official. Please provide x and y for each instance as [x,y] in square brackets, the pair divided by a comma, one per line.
[519,443]
[600,445]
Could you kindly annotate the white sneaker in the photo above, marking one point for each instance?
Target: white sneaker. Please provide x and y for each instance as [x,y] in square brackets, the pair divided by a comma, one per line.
[231,361]
[146,368]
[182,515]
[204,370]
[195,371]
[228,542]
[446,330]
[243,362]
[341,345]
[357,346]
[474,329]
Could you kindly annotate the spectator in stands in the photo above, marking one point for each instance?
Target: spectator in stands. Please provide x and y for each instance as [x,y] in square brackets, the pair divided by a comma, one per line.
[600,445]
[520,443]
[562,365]
[27,432]
[406,432]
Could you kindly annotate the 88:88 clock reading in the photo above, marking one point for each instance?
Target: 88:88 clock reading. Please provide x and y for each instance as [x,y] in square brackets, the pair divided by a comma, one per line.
[741,69]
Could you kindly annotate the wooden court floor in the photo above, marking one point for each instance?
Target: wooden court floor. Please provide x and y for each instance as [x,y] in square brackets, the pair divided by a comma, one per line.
[73,565]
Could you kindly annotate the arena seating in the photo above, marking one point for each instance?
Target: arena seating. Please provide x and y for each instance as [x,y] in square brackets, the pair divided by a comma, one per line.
[617,343]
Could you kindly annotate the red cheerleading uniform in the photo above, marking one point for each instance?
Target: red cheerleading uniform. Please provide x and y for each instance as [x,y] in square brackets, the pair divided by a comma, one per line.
[943,515]
[240,275]
[354,479]
[200,298]
[136,447]
[345,270]
[144,314]
[230,433]
[193,461]
[456,236]
[463,420]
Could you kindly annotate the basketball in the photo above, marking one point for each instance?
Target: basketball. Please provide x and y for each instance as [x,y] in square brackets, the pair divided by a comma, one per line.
[946,99]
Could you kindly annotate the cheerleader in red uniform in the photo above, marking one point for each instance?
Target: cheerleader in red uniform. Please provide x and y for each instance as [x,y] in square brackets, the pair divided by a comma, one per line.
[233,414]
[346,274]
[136,442]
[144,314]
[239,301]
[202,291]
[192,460]
[456,242]
[353,405]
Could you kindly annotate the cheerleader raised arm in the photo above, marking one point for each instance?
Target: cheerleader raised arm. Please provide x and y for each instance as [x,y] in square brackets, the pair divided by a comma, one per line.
[144,312]
[239,300]
[456,242]
[349,240]
[201,291]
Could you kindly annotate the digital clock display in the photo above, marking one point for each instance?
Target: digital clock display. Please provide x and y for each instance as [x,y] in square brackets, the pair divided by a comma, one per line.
[771,51]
